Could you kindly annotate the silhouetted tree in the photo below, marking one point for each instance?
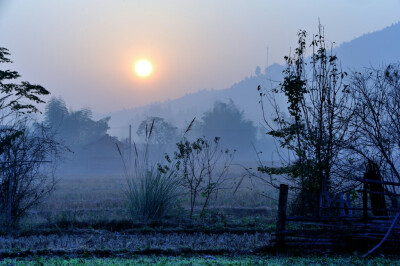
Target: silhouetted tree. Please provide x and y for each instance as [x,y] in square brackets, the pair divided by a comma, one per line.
[162,131]
[27,168]
[76,128]
[226,121]
[17,98]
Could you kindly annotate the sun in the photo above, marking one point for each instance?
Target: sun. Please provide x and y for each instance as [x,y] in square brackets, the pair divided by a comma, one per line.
[143,68]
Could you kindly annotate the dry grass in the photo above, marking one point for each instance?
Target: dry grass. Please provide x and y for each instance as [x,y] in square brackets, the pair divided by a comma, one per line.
[83,198]
[101,198]
[103,240]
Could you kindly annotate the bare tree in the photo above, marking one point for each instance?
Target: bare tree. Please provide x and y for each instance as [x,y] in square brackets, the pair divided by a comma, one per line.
[376,121]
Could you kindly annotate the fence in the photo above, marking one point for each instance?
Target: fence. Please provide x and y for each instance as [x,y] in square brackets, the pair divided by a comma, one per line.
[362,223]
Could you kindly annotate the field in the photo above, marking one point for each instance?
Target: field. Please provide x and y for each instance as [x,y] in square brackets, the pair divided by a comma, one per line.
[100,198]
[87,215]
[85,222]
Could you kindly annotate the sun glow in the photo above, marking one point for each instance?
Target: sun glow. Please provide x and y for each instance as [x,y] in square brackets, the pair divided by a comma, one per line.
[143,68]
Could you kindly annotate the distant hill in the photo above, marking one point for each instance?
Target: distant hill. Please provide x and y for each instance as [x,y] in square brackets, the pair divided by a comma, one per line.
[372,49]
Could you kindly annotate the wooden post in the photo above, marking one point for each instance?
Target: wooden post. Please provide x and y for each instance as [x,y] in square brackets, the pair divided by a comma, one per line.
[341,204]
[281,219]
[365,203]
[9,211]
[130,148]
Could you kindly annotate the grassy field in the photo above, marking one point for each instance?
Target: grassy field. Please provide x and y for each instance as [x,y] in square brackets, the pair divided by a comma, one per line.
[101,198]
[206,260]
[85,222]
[87,215]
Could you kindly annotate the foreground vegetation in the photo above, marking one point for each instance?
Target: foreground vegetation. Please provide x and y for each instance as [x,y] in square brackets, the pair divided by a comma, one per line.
[206,260]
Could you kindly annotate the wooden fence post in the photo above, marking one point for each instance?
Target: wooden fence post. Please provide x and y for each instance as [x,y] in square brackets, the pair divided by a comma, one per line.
[281,219]
[9,211]
[365,203]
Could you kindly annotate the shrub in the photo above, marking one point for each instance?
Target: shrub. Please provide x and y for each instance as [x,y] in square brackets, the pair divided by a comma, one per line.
[23,150]
[27,166]
[203,167]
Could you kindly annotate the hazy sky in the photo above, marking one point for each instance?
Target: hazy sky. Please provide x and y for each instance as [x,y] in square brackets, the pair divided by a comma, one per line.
[85,50]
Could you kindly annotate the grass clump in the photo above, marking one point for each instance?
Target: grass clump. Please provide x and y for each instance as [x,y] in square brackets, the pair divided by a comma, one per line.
[151,193]
[152,189]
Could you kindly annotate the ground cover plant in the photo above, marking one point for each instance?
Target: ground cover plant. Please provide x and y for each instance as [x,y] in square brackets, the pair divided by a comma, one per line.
[206,260]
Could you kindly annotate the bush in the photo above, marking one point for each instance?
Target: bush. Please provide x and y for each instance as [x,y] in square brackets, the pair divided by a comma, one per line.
[203,167]
[27,165]
[23,148]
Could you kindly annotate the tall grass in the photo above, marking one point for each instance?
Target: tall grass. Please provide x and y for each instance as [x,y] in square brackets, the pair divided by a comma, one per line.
[151,191]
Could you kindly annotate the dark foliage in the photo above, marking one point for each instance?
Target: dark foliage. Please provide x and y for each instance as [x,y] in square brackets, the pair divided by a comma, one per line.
[17,98]
[162,131]
[226,121]
[75,128]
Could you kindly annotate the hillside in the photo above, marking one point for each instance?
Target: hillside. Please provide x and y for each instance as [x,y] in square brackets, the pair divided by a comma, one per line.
[372,49]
